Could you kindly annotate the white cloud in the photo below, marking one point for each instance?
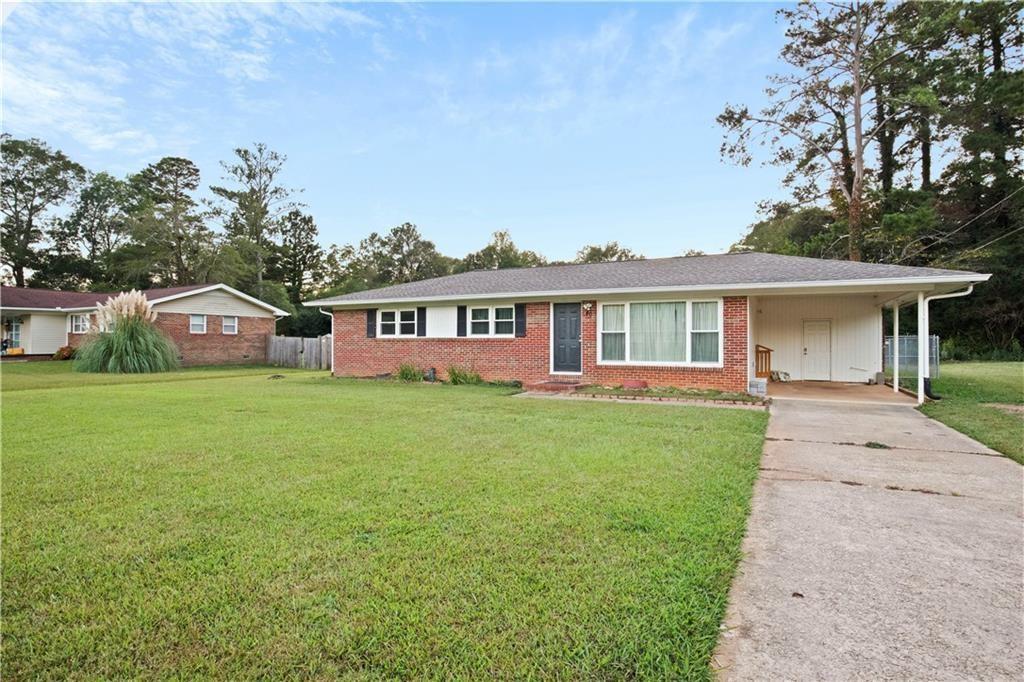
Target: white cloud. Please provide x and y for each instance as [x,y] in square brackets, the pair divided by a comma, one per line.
[56,79]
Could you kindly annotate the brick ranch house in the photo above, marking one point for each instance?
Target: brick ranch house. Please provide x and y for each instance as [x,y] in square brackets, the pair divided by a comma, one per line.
[209,323]
[713,321]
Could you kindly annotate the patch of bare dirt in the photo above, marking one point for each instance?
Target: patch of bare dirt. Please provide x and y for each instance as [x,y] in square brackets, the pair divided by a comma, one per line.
[1008,408]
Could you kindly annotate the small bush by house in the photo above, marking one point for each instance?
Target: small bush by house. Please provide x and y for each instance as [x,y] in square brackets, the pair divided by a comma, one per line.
[458,376]
[409,373]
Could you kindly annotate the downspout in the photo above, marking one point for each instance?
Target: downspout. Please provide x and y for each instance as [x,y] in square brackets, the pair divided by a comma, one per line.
[330,314]
[925,385]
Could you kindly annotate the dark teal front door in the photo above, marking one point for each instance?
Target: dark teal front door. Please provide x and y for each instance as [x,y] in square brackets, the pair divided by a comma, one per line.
[565,345]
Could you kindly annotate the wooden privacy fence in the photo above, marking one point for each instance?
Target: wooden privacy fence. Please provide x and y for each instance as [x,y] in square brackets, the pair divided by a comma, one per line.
[296,351]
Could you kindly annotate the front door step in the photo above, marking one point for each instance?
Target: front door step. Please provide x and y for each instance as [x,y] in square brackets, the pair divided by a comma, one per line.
[554,386]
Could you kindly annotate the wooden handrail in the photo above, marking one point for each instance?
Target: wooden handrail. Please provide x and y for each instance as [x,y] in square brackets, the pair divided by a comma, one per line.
[762,361]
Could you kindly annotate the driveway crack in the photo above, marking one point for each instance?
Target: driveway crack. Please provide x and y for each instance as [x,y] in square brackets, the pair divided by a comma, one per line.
[875,446]
[803,477]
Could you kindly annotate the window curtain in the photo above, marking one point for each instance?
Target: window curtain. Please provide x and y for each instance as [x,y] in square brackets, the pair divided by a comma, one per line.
[657,332]
[705,332]
[613,332]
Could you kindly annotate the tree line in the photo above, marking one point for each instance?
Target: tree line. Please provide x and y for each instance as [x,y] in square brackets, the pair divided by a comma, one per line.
[67,228]
[899,127]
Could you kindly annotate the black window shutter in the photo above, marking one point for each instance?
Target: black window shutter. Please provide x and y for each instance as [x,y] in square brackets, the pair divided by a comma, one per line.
[520,319]
[421,322]
[371,323]
[460,321]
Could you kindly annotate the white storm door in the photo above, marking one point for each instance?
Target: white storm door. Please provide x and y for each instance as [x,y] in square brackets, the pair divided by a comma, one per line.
[817,357]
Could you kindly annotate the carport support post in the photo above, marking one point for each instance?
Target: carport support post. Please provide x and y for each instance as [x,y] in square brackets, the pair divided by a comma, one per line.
[922,345]
[896,347]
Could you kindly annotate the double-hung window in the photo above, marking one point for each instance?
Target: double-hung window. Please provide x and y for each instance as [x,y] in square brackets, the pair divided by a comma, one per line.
[229,324]
[79,324]
[197,324]
[704,332]
[480,321]
[661,333]
[398,323]
[613,332]
[497,321]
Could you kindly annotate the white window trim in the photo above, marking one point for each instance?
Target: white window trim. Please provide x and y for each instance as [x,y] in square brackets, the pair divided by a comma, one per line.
[398,323]
[227,317]
[492,322]
[190,329]
[14,335]
[76,317]
[689,339]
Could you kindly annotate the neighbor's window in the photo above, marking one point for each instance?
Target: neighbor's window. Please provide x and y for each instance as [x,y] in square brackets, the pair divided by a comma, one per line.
[704,332]
[613,333]
[672,332]
[480,321]
[657,332]
[505,321]
[229,324]
[79,324]
[14,334]
[197,324]
[397,323]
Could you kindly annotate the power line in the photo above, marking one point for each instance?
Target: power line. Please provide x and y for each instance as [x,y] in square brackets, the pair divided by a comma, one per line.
[993,241]
[953,231]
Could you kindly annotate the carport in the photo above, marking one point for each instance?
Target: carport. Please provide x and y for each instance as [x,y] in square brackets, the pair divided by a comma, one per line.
[834,391]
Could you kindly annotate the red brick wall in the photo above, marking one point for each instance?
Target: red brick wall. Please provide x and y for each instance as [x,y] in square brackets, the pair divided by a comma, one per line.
[249,345]
[527,359]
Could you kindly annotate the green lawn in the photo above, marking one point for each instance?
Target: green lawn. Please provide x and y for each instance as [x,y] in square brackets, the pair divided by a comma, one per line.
[968,391]
[235,526]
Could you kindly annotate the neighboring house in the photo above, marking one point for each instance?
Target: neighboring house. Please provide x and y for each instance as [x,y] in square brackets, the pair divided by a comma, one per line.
[701,321]
[209,323]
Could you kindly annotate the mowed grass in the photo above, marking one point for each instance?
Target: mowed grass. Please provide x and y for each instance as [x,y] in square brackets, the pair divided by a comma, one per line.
[970,391]
[22,376]
[237,526]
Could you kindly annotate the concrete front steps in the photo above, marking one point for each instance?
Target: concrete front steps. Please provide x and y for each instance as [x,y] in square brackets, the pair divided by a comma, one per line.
[553,386]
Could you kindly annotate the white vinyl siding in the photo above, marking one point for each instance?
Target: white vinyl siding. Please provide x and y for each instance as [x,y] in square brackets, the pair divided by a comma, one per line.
[661,333]
[213,303]
[197,324]
[856,332]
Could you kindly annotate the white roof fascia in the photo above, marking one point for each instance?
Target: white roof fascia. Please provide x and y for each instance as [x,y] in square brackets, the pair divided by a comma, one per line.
[914,283]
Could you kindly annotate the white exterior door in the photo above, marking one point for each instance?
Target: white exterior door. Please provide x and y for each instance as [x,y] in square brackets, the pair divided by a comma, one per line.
[817,358]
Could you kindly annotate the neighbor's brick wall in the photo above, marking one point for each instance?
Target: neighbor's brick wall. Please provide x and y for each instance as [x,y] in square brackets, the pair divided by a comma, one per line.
[527,359]
[249,345]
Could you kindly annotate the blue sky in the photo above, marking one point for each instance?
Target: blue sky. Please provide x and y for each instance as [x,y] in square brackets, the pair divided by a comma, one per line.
[565,124]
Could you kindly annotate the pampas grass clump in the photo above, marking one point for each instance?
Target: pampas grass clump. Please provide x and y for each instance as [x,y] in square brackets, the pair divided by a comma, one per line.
[132,346]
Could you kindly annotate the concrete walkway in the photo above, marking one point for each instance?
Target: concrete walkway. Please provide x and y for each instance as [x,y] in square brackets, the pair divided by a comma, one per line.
[870,563]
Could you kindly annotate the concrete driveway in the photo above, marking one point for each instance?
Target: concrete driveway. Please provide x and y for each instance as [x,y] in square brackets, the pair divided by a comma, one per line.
[904,562]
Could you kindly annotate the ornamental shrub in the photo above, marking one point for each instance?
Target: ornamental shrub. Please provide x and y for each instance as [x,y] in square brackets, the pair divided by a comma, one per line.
[126,342]
[409,374]
[65,353]
[458,375]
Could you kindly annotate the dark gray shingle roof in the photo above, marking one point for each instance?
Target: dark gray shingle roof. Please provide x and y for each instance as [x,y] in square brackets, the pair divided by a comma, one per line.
[682,272]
